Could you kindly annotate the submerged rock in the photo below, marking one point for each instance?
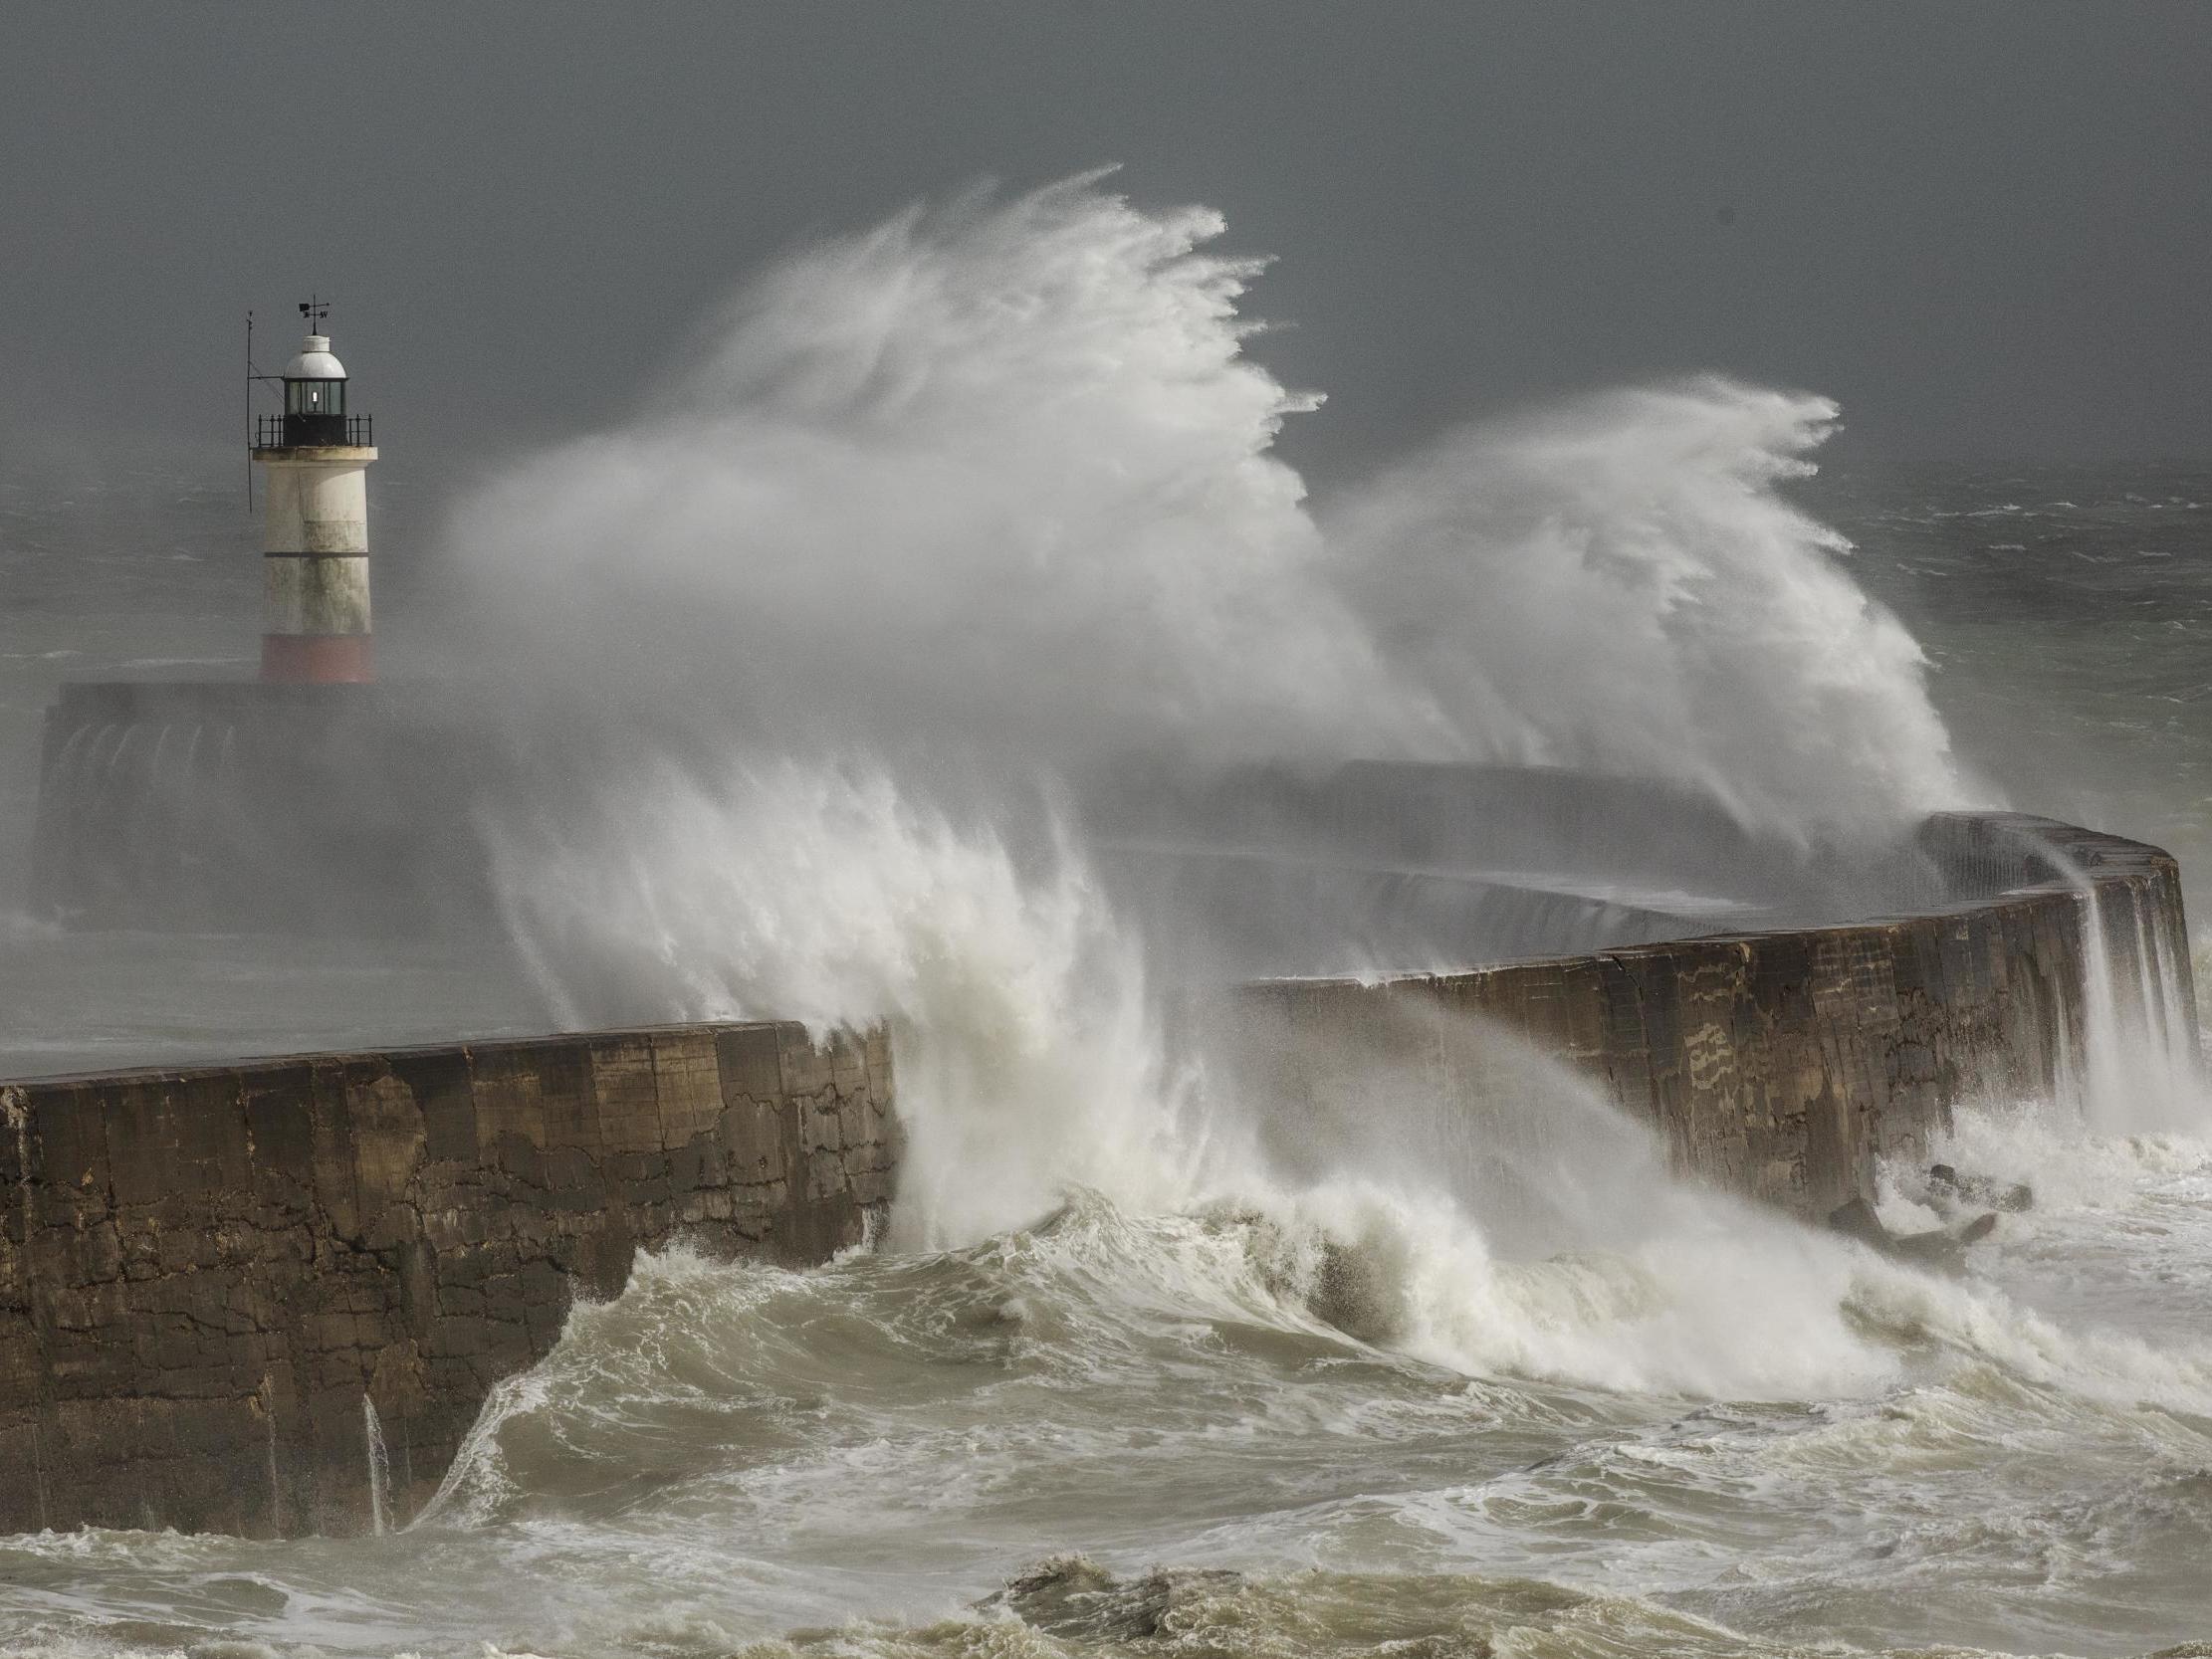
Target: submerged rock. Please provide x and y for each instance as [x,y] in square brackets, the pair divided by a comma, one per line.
[1939,1247]
[1948,1186]
[1073,1597]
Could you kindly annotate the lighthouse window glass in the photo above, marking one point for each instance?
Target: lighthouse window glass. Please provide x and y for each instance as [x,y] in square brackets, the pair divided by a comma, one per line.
[315,397]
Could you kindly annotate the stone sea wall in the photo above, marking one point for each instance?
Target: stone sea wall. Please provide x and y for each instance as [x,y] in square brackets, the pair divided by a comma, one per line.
[205,1274]
[1783,1066]
[212,1281]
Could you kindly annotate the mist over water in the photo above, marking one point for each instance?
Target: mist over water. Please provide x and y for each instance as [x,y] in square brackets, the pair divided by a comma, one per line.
[808,679]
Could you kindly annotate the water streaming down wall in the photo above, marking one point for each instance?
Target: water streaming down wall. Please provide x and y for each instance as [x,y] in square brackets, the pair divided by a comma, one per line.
[130,812]
[247,806]
[376,1469]
[2141,1067]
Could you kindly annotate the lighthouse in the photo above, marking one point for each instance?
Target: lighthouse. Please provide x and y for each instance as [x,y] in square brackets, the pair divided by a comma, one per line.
[308,800]
[315,542]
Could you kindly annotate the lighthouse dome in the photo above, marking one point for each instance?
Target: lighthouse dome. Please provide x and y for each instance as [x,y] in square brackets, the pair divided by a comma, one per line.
[315,362]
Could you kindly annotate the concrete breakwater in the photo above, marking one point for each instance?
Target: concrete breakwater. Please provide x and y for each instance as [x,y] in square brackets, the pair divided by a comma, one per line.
[270,1297]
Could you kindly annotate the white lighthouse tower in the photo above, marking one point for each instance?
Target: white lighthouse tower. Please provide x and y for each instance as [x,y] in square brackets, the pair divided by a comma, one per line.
[315,542]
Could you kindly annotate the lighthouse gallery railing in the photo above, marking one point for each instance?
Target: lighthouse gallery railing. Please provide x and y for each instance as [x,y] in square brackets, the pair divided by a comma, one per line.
[300,431]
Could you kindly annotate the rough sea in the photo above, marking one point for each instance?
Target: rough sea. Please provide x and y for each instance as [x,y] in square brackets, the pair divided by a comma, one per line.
[1107,1407]
[1118,1433]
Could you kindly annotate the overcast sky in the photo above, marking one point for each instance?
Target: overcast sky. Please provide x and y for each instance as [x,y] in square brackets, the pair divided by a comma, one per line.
[1984,228]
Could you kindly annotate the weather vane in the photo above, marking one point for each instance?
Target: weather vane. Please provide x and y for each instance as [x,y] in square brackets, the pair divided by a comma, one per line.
[315,311]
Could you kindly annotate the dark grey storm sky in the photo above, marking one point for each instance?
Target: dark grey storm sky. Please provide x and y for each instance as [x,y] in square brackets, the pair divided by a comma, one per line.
[1985,228]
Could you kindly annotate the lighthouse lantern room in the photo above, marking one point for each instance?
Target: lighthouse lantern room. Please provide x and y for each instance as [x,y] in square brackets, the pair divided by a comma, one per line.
[315,542]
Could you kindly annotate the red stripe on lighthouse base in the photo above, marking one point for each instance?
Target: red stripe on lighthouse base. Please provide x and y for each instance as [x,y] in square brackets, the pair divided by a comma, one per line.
[319,658]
